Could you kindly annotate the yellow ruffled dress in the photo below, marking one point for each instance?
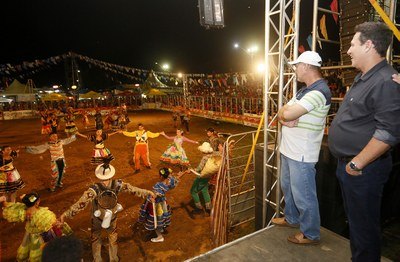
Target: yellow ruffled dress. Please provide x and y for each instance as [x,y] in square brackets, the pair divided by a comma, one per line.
[42,221]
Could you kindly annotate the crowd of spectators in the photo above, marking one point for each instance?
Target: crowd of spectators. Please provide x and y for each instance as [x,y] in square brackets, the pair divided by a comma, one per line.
[236,85]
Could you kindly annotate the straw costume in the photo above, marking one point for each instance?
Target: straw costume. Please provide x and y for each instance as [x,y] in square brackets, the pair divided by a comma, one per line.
[103,196]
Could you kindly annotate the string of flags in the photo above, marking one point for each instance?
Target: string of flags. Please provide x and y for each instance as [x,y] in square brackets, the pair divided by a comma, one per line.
[27,69]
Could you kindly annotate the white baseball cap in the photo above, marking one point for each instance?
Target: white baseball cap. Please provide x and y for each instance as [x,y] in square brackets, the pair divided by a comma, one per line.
[308,57]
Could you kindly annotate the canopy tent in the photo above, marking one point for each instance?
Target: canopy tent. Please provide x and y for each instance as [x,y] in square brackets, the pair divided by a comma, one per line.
[22,93]
[90,94]
[17,87]
[5,100]
[53,97]
[154,92]
[152,82]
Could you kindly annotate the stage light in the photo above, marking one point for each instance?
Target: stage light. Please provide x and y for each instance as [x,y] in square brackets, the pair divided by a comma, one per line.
[236,45]
[74,87]
[180,75]
[211,13]
[252,49]
[137,85]
[55,86]
[165,66]
[260,68]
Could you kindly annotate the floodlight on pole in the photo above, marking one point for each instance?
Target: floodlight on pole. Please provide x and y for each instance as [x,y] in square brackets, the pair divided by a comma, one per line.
[165,66]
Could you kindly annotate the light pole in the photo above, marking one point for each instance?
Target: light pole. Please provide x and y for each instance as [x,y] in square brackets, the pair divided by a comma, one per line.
[164,66]
[249,51]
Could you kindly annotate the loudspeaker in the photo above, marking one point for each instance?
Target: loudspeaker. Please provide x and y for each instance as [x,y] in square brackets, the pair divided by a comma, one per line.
[211,13]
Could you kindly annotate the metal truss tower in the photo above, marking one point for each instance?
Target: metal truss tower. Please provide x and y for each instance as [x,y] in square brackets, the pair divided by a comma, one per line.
[281,45]
[282,27]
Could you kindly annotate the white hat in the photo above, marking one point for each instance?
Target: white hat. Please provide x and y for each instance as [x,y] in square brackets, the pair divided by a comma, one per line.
[205,148]
[104,173]
[308,57]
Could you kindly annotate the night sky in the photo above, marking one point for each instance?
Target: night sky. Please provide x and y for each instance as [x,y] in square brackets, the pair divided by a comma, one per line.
[134,33]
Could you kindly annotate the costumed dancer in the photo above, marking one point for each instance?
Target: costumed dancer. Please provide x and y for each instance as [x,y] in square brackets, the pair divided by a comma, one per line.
[103,196]
[186,119]
[70,127]
[208,167]
[141,150]
[57,163]
[212,138]
[99,151]
[175,116]
[85,119]
[54,123]
[98,120]
[10,180]
[41,225]
[175,154]
[159,205]
[46,125]
[110,119]
[125,113]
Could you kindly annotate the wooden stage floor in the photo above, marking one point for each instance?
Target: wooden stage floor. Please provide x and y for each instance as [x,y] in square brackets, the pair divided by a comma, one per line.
[271,245]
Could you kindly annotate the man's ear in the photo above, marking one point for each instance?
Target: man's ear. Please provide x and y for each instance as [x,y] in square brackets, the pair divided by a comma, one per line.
[369,45]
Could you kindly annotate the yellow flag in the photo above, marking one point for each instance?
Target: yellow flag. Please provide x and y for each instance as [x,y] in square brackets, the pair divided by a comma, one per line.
[322,26]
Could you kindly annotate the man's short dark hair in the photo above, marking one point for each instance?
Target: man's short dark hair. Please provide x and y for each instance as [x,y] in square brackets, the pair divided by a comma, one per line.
[379,34]
[63,249]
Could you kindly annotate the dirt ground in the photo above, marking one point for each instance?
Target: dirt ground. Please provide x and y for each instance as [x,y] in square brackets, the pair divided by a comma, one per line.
[187,236]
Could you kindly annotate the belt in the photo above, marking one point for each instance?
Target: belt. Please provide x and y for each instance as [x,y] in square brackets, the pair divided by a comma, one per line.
[349,158]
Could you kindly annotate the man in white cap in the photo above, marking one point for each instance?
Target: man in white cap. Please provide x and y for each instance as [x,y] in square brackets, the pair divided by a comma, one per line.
[303,123]
[103,196]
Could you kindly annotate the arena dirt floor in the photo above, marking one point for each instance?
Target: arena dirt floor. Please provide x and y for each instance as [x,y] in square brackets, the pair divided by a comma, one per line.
[187,236]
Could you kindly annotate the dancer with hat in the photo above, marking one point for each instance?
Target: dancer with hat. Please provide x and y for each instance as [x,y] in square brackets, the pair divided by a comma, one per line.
[70,126]
[41,225]
[58,164]
[156,213]
[104,198]
[207,168]
[99,151]
[10,180]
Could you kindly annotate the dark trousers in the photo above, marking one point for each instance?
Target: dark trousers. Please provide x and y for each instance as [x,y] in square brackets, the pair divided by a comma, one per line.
[186,125]
[362,197]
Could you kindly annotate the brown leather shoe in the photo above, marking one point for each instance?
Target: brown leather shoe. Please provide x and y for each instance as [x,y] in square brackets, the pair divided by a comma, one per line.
[301,239]
[281,221]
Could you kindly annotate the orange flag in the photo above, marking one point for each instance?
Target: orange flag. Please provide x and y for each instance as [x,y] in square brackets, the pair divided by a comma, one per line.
[322,26]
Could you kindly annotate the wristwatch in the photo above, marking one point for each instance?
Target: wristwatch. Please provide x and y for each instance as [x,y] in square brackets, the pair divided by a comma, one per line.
[354,167]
